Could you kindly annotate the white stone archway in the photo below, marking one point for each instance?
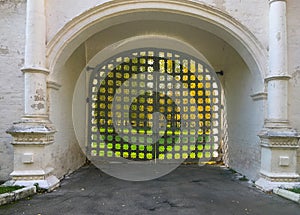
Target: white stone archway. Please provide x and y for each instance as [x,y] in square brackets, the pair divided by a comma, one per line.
[104,18]
[186,12]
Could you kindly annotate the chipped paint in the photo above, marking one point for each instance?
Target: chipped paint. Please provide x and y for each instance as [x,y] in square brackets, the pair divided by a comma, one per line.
[220,4]
[4,50]
[39,95]
[38,106]
[295,80]
[39,98]
[278,36]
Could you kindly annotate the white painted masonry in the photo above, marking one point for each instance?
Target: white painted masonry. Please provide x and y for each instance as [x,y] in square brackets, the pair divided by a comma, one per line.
[277,88]
[278,141]
[255,43]
[12,42]
[34,132]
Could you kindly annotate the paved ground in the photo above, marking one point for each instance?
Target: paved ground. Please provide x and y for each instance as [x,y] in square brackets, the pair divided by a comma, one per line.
[187,190]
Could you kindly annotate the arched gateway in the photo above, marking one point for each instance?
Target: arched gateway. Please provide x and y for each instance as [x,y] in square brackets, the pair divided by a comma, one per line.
[54,69]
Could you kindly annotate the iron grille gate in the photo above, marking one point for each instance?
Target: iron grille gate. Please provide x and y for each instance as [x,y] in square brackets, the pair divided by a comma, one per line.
[133,110]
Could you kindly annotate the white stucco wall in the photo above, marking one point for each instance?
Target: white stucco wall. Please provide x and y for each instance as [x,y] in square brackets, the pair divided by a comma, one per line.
[12,39]
[65,152]
[254,18]
[245,116]
[252,14]
[294,64]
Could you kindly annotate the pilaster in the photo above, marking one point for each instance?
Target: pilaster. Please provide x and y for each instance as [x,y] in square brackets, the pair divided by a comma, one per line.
[279,142]
[33,134]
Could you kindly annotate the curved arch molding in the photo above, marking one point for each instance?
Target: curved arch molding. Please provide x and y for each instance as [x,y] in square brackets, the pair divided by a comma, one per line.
[79,29]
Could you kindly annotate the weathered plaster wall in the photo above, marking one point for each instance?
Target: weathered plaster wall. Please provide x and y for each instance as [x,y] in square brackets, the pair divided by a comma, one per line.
[245,117]
[65,152]
[254,18]
[252,14]
[294,64]
[12,39]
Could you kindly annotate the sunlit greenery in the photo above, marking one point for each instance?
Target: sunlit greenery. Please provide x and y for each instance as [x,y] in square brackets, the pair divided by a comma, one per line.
[295,190]
[7,189]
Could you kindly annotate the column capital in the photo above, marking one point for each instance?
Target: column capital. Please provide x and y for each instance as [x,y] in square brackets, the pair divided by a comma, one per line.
[29,69]
[278,77]
[271,1]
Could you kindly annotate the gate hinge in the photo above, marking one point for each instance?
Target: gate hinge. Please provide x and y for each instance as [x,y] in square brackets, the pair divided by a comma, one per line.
[88,68]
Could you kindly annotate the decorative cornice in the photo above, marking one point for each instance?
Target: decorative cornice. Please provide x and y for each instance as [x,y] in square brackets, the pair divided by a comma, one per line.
[266,132]
[272,1]
[53,85]
[278,77]
[27,178]
[32,133]
[259,96]
[31,128]
[279,138]
[35,118]
[277,124]
[32,139]
[288,143]
[35,70]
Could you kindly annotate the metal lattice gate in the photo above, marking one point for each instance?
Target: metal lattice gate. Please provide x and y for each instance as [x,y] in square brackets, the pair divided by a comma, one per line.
[150,104]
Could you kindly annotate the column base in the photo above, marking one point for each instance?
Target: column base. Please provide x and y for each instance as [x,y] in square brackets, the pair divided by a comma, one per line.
[49,183]
[32,138]
[32,131]
[43,178]
[278,159]
[280,177]
[268,186]
[277,124]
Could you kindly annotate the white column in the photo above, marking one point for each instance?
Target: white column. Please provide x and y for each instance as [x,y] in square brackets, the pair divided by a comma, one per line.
[277,38]
[277,79]
[34,133]
[279,142]
[35,71]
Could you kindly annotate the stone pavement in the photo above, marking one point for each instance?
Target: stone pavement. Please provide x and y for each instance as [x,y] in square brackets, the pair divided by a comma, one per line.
[189,189]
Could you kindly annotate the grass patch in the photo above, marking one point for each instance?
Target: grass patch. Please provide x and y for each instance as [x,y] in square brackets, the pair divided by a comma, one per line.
[232,171]
[244,178]
[8,189]
[295,190]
